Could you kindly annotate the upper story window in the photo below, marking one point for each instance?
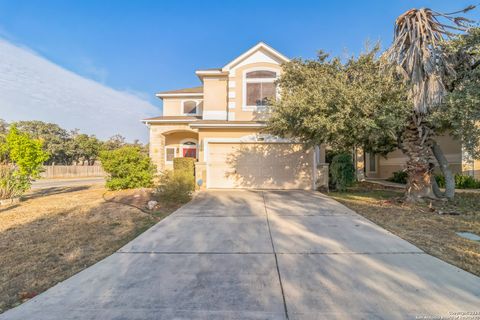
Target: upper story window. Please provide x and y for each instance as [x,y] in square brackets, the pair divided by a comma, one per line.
[259,88]
[190,107]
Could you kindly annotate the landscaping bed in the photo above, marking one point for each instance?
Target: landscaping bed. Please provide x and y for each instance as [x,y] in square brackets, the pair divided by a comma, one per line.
[57,232]
[431,227]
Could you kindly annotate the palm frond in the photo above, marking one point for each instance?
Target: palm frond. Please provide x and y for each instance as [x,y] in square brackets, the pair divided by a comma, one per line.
[417,52]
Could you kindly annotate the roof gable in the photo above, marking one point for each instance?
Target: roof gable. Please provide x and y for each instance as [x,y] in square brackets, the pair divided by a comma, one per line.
[261,52]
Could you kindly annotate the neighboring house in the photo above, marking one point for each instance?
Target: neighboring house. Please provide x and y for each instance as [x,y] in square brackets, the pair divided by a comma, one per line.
[220,125]
[377,166]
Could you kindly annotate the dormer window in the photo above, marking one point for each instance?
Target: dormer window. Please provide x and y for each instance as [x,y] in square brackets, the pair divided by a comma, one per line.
[259,88]
[190,107]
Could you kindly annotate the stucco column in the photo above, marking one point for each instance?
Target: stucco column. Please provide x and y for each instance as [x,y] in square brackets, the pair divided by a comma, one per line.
[201,175]
[322,177]
[321,173]
[359,162]
[157,148]
[320,153]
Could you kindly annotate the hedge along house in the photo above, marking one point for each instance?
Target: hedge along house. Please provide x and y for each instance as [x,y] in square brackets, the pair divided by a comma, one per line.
[221,122]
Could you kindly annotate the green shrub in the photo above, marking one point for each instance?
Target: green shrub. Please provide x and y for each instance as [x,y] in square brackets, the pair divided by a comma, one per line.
[461,181]
[187,166]
[26,153]
[184,164]
[329,155]
[399,177]
[440,180]
[466,182]
[12,183]
[23,158]
[343,171]
[127,167]
[175,187]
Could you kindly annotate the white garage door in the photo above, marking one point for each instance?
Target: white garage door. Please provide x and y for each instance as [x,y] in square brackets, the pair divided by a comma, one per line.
[259,165]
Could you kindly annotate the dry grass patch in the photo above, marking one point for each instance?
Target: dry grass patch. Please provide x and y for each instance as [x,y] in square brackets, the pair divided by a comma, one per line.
[57,232]
[430,228]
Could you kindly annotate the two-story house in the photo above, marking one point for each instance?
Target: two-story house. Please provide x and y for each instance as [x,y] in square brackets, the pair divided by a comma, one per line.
[220,125]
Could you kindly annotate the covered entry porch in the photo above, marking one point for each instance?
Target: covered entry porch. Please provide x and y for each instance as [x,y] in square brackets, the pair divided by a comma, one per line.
[179,143]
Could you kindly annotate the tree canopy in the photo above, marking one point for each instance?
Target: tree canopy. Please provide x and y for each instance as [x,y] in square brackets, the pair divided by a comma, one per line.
[358,103]
[55,139]
[459,114]
[65,147]
[364,102]
[25,153]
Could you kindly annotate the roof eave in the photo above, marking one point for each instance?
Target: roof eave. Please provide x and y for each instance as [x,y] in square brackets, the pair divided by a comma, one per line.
[147,121]
[228,125]
[169,95]
[205,73]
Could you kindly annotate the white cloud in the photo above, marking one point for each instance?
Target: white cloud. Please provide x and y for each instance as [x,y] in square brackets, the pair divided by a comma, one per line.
[97,73]
[33,88]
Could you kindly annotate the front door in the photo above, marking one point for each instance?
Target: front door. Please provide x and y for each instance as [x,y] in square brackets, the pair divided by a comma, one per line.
[189,152]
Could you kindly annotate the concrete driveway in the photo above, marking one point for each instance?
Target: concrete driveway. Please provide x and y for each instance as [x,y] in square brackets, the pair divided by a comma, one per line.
[261,255]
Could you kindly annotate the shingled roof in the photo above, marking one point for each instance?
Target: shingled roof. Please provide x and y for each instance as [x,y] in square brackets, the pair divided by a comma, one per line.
[180,91]
[173,118]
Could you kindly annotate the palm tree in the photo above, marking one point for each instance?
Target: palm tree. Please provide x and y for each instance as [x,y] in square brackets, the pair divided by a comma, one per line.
[418,56]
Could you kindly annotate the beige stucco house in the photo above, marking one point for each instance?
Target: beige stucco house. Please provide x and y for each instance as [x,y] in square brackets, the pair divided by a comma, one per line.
[220,123]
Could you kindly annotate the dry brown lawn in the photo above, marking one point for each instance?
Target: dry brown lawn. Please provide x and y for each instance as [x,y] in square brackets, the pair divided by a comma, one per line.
[57,232]
[431,228]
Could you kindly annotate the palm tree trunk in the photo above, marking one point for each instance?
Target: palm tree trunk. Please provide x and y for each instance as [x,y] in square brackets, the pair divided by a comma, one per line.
[447,173]
[436,189]
[416,145]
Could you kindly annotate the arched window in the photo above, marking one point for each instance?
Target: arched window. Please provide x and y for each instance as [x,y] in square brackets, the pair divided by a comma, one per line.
[190,107]
[259,88]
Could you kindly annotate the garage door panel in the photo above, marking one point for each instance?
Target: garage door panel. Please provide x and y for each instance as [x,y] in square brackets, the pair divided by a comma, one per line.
[259,165]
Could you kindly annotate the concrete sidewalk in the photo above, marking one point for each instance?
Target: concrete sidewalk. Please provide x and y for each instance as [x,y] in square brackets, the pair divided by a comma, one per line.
[261,255]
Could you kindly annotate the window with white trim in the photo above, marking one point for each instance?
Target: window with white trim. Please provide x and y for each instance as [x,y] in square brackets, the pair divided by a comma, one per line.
[169,154]
[259,88]
[190,107]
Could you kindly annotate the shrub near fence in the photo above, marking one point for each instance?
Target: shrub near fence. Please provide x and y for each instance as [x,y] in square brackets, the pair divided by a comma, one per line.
[72,171]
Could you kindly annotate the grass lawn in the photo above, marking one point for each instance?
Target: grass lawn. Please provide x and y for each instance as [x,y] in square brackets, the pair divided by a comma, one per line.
[430,228]
[57,232]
